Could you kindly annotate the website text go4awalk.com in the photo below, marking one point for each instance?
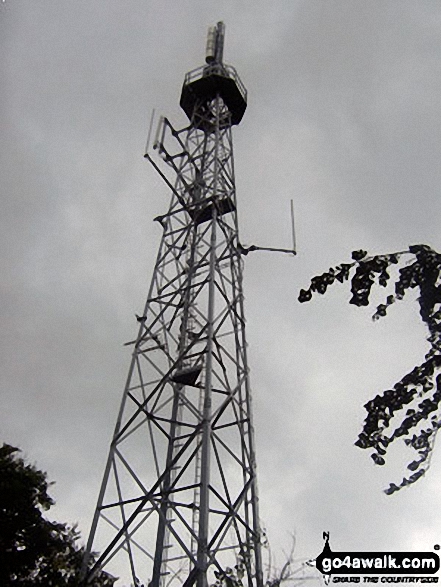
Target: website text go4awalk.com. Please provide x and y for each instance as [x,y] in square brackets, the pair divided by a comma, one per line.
[378,567]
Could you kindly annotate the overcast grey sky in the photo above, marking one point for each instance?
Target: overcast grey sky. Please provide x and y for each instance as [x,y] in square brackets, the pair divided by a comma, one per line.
[343,117]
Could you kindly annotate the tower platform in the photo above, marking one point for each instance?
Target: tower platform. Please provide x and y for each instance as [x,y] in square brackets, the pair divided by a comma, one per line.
[205,83]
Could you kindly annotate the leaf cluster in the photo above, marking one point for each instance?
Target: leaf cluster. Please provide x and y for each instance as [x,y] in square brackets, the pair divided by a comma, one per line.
[421,387]
[232,577]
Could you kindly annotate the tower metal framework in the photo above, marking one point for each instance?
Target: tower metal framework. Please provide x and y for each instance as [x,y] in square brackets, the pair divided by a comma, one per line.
[178,503]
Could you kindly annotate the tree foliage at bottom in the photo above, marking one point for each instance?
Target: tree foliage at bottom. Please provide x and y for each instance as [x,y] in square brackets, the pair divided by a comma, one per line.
[411,409]
[33,550]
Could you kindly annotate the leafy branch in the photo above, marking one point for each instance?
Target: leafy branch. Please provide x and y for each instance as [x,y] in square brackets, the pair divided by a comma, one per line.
[422,386]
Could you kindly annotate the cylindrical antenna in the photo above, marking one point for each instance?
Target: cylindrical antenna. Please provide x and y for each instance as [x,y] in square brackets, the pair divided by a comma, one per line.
[294,247]
[220,36]
[147,146]
[215,43]
[210,52]
[156,143]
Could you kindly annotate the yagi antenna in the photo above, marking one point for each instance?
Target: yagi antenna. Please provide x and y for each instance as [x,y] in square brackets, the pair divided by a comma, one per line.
[245,250]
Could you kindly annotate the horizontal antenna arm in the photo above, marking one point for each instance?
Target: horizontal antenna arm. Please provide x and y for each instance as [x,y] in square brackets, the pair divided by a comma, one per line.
[245,250]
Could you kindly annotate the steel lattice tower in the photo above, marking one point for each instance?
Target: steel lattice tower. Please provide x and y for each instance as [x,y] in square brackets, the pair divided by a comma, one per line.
[178,501]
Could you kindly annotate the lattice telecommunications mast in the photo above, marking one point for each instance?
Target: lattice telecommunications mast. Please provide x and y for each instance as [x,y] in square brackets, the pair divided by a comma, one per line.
[178,503]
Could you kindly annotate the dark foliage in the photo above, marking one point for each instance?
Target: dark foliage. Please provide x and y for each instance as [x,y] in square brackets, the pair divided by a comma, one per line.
[33,550]
[420,421]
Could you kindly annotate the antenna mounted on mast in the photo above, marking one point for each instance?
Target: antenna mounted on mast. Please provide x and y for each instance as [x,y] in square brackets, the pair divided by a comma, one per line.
[215,43]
